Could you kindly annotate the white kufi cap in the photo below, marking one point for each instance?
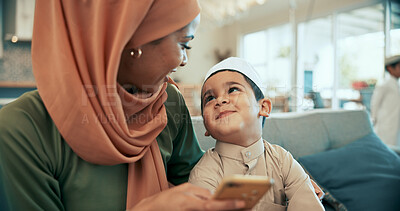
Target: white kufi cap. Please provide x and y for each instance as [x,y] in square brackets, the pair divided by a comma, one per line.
[239,65]
[392,60]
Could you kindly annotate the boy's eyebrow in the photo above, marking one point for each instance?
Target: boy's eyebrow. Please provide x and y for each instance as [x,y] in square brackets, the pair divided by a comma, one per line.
[226,83]
[206,93]
[233,82]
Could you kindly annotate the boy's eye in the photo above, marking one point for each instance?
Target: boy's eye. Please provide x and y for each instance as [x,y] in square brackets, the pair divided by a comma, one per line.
[208,99]
[233,89]
[185,46]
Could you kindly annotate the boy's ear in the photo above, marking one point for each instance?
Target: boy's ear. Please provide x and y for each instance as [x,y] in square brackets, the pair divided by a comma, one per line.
[207,133]
[265,107]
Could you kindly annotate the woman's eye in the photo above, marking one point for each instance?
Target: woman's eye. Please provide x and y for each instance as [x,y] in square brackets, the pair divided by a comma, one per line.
[185,46]
[233,89]
[208,99]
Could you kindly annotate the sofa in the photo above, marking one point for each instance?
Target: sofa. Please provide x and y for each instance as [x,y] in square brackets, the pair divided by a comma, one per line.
[340,151]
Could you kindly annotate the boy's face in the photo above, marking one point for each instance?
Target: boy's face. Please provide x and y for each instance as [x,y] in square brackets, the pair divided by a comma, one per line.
[230,109]
[394,70]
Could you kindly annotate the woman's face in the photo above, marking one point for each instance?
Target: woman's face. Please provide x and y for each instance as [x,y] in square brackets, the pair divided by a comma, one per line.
[158,59]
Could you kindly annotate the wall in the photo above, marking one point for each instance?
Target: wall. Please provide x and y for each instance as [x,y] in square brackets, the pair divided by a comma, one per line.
[16,64]
[202,56]
[208,38]
[1,29]
[272,13]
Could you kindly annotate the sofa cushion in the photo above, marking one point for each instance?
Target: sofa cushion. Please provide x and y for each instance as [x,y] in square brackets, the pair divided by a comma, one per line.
[206,142]
[302,134]
[363,175]
[341,134]
[270,132]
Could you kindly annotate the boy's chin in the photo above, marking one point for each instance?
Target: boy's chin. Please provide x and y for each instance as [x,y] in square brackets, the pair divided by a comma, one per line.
[229,135]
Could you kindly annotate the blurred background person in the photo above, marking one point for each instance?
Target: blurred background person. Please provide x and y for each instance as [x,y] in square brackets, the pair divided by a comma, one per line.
[385,109]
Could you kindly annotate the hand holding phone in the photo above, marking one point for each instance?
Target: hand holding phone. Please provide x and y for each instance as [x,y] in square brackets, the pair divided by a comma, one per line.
[249,188]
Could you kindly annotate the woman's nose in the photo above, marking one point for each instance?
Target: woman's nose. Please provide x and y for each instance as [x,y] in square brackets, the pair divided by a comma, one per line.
[184,60]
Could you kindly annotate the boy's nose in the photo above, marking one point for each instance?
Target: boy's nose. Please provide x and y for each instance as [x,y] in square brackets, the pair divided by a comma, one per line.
[222,100]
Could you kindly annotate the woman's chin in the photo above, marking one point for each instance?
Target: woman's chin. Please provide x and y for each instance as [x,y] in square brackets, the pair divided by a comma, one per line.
[154,88]
[166,79]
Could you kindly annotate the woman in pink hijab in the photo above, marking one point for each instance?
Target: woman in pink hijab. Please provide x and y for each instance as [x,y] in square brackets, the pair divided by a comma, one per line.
[105,130]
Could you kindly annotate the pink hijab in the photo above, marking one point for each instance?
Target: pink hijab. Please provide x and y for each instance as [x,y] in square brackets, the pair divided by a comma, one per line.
[76,50]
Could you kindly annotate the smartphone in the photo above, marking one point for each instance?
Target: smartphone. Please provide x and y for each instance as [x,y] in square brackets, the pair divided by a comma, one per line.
[249,188]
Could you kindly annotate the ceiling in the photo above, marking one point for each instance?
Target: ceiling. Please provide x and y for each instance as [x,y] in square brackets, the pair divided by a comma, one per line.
[353,22]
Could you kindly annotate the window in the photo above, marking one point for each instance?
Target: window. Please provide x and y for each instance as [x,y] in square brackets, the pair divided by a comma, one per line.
[269,52]
[315,64]
[340,57]
[360,52]
[395,28]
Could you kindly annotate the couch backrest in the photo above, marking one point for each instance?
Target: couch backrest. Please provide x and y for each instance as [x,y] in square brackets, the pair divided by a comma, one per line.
[308,132]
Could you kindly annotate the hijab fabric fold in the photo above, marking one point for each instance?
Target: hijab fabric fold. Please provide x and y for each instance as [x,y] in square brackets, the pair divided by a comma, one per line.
[76,50]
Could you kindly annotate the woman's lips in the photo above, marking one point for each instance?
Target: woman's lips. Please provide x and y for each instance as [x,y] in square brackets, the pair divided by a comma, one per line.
[224,114]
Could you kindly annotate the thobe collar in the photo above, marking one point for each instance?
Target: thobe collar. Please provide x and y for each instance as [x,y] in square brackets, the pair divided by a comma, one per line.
[394,78]
[239,153]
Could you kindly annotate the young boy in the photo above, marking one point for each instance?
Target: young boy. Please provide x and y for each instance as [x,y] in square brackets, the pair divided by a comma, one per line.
[234,111]
[385,109]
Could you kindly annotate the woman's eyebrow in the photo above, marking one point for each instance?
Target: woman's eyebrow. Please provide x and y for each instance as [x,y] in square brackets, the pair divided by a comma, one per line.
[190,37]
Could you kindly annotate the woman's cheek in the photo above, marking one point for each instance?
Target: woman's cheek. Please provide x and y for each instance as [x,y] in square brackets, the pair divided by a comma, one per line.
[180,58]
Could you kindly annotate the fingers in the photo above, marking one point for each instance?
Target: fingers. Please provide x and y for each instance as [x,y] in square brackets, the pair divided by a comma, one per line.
[186,197]
[321,195]
[197,191]
[201,198]
[224,204]
[194,203]
[316,187]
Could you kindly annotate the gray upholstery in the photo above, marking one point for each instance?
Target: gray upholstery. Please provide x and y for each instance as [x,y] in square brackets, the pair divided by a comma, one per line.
[308,132]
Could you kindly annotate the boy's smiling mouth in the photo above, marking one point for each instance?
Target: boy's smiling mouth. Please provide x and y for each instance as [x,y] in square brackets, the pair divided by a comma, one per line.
[224,114]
